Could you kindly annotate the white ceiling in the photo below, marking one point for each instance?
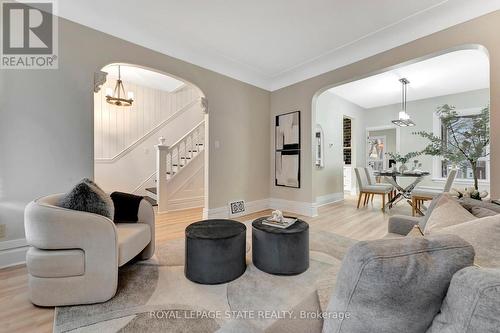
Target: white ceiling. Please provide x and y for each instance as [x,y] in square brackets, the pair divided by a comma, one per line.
[143,77]
[446,74]
[272,44]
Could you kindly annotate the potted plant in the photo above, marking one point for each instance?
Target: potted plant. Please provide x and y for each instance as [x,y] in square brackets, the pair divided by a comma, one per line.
[467,141]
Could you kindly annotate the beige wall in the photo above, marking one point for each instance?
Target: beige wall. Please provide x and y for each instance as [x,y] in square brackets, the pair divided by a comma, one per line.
[46,123]
[482,31]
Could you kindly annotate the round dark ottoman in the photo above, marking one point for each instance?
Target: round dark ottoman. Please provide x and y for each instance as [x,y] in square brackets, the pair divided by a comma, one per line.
[280,251]
[215,251]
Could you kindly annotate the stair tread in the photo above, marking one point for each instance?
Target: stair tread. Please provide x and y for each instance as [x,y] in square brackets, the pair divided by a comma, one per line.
[151,189]
[151,200]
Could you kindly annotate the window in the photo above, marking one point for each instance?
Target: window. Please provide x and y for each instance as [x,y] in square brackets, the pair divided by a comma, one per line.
[464,168]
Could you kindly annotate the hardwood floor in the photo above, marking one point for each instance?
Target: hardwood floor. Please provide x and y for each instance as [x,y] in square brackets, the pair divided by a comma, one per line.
[17,314]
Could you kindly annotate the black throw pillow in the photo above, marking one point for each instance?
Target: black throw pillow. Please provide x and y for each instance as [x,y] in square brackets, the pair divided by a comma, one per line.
[126,207]
[87,196]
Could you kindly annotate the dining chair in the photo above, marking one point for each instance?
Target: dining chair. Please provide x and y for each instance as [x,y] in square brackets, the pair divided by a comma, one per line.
[421,194]
[370,177]
[368,190]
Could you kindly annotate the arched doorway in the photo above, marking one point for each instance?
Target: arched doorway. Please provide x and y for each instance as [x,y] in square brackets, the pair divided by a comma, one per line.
[151,137]
[372,103]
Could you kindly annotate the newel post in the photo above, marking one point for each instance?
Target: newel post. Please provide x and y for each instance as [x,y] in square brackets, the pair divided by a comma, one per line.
[161,175]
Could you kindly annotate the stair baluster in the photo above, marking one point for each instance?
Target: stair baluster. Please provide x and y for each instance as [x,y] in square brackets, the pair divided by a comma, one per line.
[182,152]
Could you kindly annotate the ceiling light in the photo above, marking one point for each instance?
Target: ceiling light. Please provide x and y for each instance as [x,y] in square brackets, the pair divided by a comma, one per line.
[117,96]
[404,118]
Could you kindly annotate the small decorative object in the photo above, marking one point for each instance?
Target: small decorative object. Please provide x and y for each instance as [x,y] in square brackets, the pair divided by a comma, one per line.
[161,139]
[469,192]
[287,150]
[403,159]
[319,147]
[415,165]
[278,220]
[277,216]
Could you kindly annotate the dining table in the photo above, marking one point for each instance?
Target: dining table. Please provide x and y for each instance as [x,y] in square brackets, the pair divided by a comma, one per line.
[392,177]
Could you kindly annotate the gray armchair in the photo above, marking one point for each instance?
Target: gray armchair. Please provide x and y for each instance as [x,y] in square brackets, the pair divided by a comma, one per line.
[74,255]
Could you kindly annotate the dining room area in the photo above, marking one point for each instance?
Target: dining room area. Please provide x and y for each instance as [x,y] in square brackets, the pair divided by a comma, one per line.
[413,132]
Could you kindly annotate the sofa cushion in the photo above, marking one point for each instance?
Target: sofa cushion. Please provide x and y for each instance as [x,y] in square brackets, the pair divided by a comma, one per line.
[126,207]
[469,203]
[472,304]
[484,235]
[395,285]
[88,197]
[480,212]
[446,212]
[55,263]
[132,239]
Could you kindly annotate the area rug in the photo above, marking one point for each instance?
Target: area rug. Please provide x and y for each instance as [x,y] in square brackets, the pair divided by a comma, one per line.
[155,296]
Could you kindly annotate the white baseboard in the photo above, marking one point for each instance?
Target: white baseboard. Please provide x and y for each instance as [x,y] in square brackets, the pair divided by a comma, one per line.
[329,199]
[250,207]
[297,207]
[13,252]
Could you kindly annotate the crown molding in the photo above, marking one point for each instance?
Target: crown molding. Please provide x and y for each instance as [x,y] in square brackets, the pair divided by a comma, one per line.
[441,16]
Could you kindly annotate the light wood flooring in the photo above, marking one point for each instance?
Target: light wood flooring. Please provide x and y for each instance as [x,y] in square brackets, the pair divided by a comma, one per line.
[17,314]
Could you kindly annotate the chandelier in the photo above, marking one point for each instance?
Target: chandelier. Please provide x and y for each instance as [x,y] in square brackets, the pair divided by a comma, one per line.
[117,96]
[404,118]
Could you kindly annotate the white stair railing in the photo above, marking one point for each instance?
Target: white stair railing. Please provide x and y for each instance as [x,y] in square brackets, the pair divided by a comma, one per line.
[171,159]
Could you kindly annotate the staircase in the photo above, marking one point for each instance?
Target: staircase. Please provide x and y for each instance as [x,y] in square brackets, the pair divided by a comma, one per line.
[171,161]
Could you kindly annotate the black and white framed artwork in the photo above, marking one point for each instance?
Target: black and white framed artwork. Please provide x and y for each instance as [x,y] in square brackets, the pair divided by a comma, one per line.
[287,152]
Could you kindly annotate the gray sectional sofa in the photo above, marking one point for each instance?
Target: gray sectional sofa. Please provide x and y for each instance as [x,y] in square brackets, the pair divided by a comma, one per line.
[427,284]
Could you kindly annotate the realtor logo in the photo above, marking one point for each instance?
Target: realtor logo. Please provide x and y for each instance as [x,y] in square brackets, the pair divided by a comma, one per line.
[29,35]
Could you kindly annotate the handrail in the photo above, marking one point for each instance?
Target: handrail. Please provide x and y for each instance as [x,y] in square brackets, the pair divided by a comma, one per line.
[155,129]
[187,134]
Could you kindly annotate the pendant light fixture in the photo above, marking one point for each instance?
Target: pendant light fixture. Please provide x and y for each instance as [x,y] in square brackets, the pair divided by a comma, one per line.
[117,96]
[404,118]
